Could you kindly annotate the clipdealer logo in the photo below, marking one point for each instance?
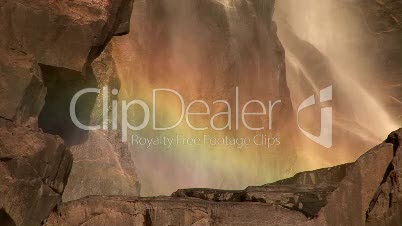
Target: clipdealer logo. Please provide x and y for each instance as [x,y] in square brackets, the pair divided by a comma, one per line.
[324,139]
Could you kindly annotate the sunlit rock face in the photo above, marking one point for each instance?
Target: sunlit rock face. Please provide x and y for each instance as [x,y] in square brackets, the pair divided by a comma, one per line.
[65,34]
[204,50]
[332,43]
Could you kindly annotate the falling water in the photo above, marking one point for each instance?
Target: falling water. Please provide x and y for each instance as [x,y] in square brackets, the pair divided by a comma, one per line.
[204,49]
[336,31]
[323,43]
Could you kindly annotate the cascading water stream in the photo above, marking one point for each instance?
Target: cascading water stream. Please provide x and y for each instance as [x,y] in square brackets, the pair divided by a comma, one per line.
[331,28]
[204,50]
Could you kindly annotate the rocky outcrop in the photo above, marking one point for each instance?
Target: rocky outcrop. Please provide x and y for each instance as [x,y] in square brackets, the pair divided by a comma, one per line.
[64,38]
[102,162]
[102,166]
[34,167]
[22,91]
[366,192]
[167,211]
[306,192]
[45,43]
[349,203]
[63,34]
[386,205]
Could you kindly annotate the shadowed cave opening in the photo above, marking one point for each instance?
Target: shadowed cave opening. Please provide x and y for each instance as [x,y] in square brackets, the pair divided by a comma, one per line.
[62,84]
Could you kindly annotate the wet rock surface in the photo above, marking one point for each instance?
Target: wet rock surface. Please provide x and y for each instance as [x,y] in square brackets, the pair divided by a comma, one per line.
[205,49]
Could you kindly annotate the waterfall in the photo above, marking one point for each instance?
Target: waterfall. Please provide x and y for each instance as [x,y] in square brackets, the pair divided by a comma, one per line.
[207,49]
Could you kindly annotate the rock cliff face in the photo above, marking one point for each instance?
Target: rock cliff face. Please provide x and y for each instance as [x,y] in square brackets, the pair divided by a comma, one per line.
[34,167]
[48,53]
[102,164]
[366,192]
[22,89]
[42,39]
[64,34]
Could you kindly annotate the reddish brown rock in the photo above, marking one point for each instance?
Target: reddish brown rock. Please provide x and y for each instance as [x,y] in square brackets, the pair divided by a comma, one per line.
[34,167]
[102,162]
[63,34]
[366,192]
[22,91]
[386,206]
[306,192]
[169,211]
[352,202]
[102,166]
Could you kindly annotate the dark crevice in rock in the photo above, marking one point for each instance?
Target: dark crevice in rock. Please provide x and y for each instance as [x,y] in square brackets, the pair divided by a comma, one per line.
[122,15]
[147,217]
[5,219]
[42,179]
[5,159]
[68,169]
[7,119]
[62,84]
[393,139]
